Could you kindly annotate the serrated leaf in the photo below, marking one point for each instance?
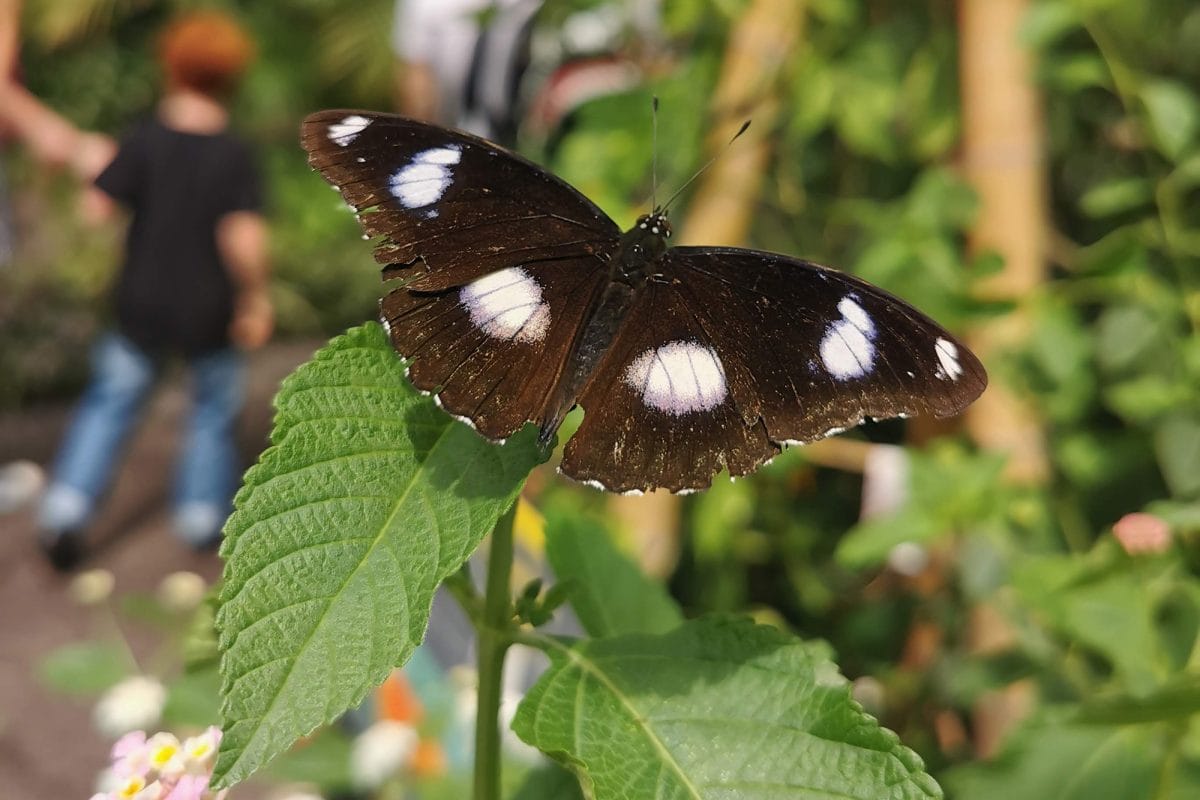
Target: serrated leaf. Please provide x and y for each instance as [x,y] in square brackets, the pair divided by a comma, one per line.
[717,708]
[608,592]
[368,499]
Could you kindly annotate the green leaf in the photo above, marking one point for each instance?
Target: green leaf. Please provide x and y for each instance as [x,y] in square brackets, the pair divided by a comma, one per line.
[1116,196]
[1126,335]
[368,499]
[1047,22]
[86,668]
[1178,699]
[550,782]
[1065,763]
[1147,398]
[1174,116]
[608,591]
[192,699]
[1177,442]
[717,708]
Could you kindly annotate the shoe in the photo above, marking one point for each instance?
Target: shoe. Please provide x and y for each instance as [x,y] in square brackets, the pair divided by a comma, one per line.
[64,550]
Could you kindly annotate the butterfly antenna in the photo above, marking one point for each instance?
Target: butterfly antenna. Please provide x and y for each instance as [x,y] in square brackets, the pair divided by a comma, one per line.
[654,154]
[708,164]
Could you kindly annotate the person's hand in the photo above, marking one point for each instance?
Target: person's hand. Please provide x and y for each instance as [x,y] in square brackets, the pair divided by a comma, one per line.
[253,320]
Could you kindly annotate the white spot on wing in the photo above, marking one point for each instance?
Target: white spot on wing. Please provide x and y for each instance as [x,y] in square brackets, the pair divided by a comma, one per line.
[344,132]
[678,378]
[947,354]
[507,305]
[847,349]
[857,316]
[426,178]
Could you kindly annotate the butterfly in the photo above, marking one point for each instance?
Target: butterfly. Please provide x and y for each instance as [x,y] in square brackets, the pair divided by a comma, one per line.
[518,299]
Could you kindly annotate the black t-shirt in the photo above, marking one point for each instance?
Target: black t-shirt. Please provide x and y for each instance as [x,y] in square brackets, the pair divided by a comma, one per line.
[174,293]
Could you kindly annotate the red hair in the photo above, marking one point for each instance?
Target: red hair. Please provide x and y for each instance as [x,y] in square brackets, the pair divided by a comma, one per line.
[205,51]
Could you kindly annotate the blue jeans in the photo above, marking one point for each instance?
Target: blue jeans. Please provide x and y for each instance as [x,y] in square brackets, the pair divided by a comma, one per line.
[122,377]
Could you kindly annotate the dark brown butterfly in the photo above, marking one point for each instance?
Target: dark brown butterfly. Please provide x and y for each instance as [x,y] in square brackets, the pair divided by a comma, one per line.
[520,299]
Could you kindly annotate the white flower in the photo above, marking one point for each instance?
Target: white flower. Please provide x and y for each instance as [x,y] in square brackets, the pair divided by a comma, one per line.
[165,755]
[200,751]
[182,591]
[92,588]
[297,794]
[132,704]
[135,788]
[380,751]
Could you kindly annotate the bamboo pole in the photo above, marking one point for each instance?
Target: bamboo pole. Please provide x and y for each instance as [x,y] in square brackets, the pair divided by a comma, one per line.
[760,46]
[1003,158]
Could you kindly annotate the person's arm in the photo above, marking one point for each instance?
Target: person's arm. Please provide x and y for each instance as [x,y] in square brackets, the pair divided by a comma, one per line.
[55,141]
[51,137]
[242,241]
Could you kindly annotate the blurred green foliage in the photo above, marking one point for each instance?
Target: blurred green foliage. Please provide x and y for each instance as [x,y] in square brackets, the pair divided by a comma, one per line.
[864,177]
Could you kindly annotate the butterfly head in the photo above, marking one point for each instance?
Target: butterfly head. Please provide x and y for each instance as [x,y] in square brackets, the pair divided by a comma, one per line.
[641,245]
[655,224]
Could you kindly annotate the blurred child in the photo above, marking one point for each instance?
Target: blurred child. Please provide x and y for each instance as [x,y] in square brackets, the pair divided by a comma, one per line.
[192,283]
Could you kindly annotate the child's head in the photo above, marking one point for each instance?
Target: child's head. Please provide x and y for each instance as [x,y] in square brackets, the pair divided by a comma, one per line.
[205,51]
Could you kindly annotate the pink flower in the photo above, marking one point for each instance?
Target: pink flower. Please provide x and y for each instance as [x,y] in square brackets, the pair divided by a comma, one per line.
[189,787]
[127,744]
[163,768]
[1141,533]
[129,755]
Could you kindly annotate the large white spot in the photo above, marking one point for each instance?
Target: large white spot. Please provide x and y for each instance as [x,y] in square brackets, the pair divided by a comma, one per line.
[426,178]
[679,377]
[947,354]
[507,305]
[847,349]
[346,131]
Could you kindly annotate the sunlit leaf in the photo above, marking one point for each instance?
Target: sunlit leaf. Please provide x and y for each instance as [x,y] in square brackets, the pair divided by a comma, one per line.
[369,497]
[717,708]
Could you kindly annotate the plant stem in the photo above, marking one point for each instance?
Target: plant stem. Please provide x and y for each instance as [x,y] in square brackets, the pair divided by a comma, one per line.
[494,638]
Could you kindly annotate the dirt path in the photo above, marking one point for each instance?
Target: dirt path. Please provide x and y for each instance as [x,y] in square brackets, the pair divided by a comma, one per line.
[48,749]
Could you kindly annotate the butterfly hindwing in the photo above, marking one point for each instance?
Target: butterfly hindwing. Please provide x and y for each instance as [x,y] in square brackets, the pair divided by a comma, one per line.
[461,205]
[494,349]
[659,410]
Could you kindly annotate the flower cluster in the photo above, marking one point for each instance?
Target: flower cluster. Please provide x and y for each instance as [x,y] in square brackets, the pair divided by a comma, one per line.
[162,767]
[1143,534]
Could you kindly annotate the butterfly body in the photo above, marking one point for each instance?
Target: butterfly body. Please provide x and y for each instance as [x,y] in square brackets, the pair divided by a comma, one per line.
[519,299]
[632,267]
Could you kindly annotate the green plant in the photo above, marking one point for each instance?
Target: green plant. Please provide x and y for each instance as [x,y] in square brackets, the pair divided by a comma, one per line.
[370,497]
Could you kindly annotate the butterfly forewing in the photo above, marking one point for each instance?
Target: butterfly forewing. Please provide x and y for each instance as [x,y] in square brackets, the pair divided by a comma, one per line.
[462,205]
[811,351]
[498,261]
